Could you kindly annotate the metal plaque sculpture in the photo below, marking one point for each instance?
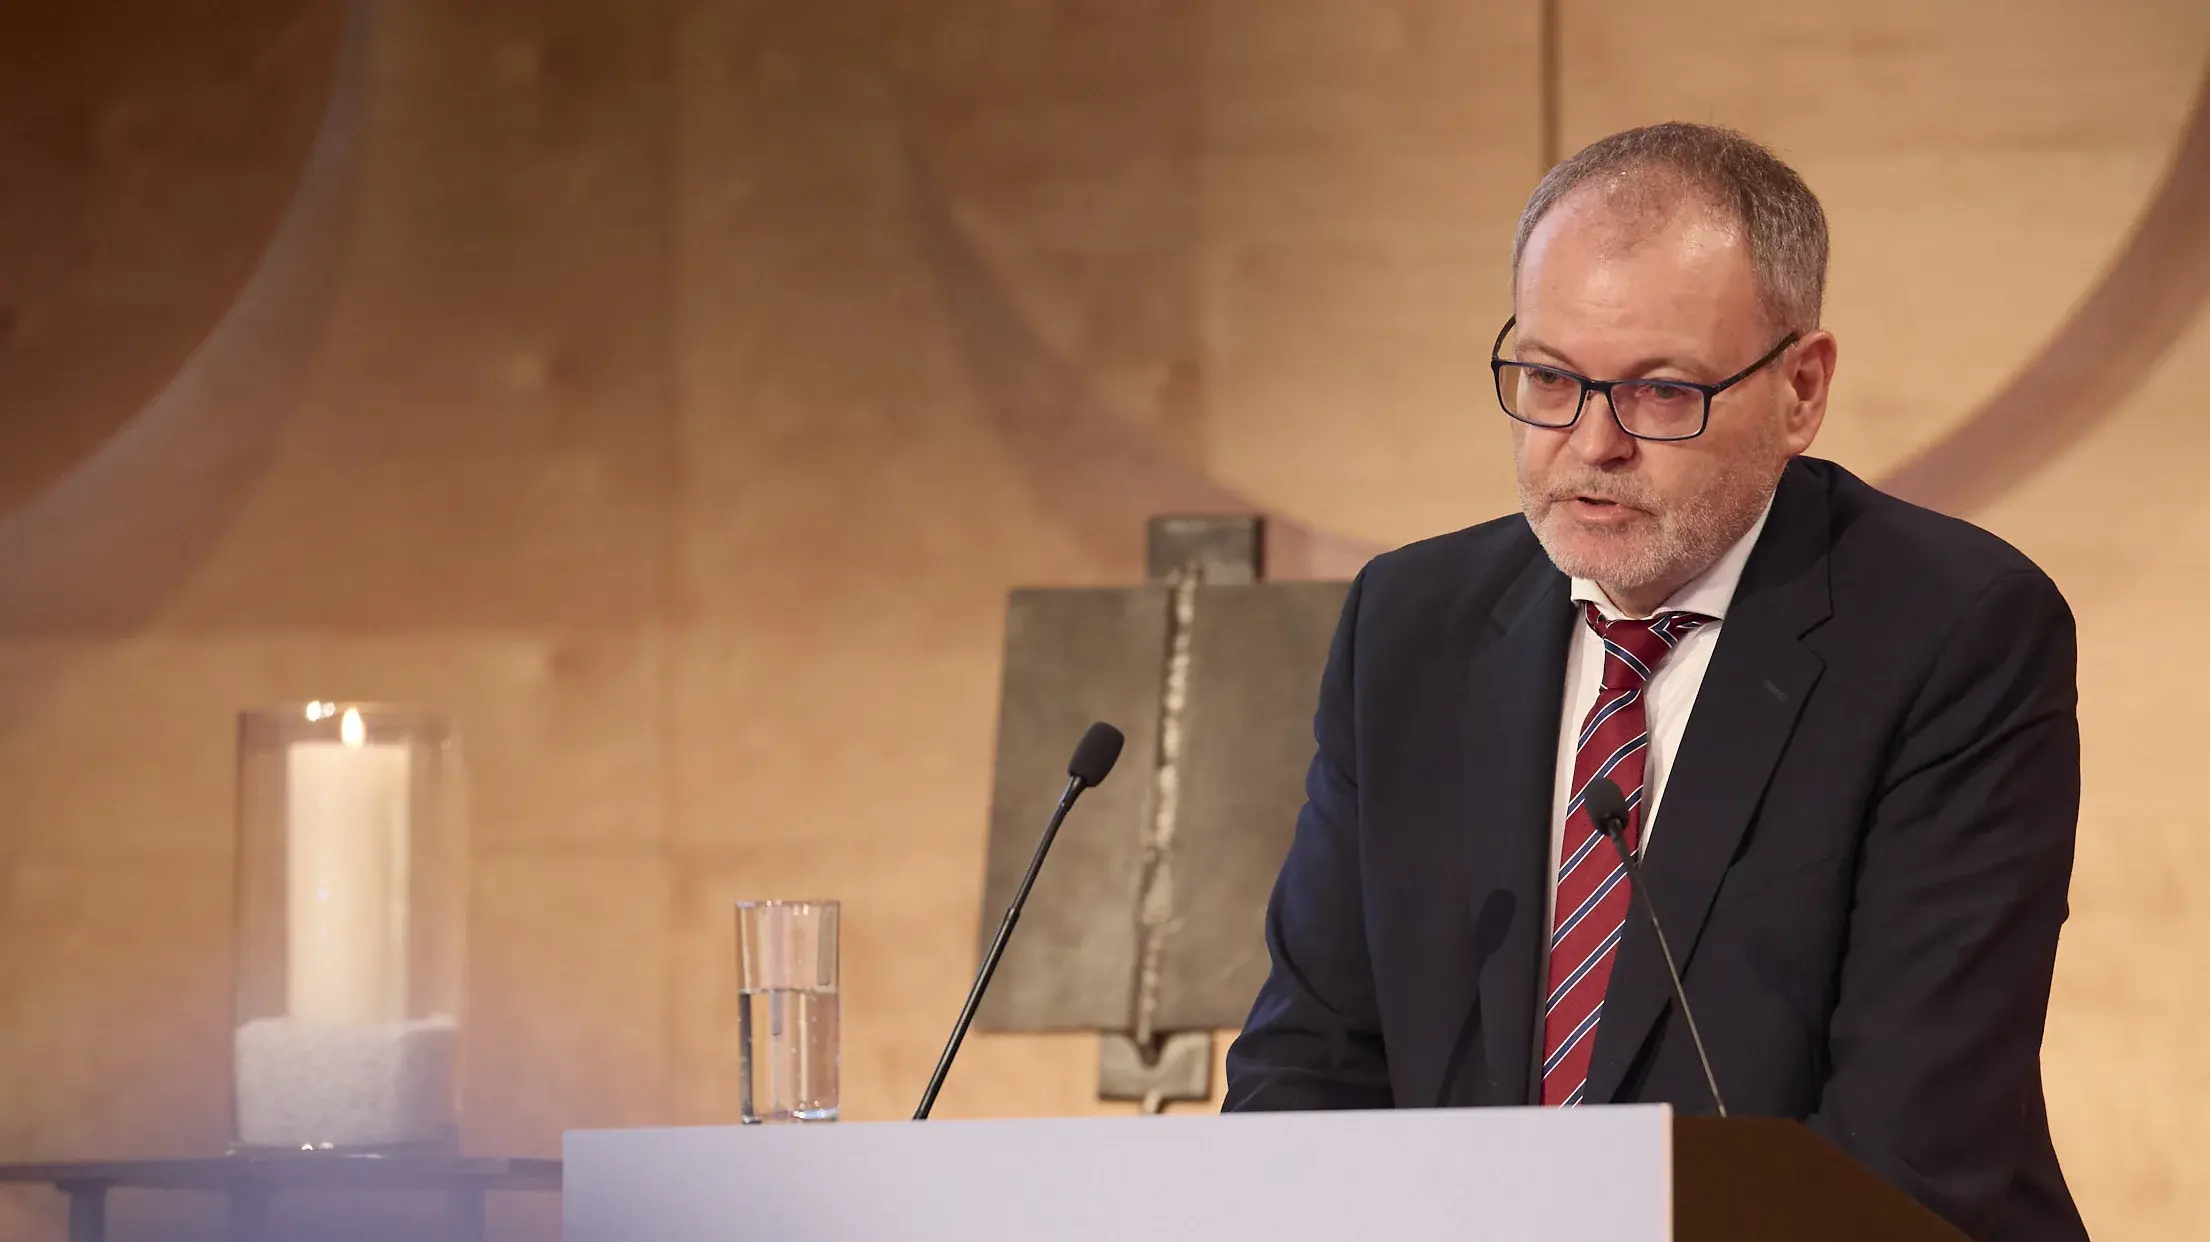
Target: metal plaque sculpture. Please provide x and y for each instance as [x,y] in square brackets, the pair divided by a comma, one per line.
[1147,926]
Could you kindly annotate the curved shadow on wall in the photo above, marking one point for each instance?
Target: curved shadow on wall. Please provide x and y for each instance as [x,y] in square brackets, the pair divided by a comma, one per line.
[100,549]
[1103,476]
[2096,359]
[1099,476]
[149,152]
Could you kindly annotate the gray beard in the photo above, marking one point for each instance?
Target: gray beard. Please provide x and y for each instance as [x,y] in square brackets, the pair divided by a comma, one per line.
[1689,537]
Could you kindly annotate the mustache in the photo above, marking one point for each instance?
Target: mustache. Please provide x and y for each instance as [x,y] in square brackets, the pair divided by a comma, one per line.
[1619,490]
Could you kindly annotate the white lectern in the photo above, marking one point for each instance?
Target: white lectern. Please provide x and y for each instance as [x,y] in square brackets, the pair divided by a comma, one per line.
[1625,1174]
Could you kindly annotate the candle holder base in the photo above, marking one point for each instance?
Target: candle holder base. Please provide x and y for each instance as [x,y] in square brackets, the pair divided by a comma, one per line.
[313,1086]
[422,1149]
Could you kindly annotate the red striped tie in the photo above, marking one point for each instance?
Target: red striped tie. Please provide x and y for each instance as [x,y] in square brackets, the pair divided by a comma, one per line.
[1592,886]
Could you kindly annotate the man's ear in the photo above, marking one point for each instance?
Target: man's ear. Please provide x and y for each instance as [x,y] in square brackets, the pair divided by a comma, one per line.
[1810,377]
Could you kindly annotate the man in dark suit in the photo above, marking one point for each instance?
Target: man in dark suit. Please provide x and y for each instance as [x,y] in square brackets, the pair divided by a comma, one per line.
[1845,726]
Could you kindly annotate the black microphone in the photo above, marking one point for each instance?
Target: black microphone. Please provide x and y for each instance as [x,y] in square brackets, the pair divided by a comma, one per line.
[1607,810]
[1094,757]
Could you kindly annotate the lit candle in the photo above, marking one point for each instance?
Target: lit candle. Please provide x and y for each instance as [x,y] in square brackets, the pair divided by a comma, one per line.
[346,807]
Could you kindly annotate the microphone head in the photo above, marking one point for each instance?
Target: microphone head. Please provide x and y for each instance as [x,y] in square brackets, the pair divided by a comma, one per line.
[1095,754]
[1606,806]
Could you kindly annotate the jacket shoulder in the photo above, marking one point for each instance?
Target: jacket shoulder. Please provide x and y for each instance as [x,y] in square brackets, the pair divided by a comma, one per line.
[1879,537]
[1458,569]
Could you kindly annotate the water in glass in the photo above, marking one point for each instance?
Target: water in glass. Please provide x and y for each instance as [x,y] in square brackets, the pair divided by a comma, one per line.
[790,1051]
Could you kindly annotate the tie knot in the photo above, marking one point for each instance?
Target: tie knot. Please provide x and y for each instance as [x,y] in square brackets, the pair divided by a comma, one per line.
[1633,648]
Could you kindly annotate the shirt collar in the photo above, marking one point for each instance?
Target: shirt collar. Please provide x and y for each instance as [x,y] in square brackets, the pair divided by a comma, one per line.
[1708,593]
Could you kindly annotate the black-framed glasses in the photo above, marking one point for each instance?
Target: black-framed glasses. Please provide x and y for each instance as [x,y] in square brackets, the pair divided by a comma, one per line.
[1647,409]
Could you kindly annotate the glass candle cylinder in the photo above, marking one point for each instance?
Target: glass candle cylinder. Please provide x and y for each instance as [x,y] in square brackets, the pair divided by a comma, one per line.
[351,908]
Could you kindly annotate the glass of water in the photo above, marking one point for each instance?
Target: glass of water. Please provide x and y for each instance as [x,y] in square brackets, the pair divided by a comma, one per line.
[787,1010]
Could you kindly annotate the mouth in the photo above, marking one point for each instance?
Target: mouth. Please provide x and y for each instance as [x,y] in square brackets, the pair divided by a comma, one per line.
[1600,510]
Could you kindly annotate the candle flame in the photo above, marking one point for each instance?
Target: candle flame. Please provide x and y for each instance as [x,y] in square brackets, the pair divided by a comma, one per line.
[350,729]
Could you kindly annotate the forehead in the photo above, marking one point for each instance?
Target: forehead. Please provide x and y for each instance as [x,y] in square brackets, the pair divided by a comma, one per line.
[1652,268]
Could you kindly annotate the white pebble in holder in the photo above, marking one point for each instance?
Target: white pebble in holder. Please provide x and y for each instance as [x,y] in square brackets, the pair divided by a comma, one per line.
[351,907]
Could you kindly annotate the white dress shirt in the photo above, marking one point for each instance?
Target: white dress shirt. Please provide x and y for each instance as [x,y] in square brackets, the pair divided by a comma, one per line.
[1667,702]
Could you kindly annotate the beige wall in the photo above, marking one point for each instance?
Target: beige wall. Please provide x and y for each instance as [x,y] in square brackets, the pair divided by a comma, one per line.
[2123,522]
[672,390]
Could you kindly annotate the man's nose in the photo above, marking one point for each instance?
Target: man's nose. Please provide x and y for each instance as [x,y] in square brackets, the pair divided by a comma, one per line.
[1598,439]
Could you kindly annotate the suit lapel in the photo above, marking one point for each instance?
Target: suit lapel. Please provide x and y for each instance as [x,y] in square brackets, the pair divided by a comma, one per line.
[1514,698]
[1746,710]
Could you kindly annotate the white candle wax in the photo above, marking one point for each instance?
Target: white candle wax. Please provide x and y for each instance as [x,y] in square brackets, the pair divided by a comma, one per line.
[346,817]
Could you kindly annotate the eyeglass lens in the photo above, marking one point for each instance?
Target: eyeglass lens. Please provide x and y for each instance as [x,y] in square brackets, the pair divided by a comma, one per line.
[1551,398]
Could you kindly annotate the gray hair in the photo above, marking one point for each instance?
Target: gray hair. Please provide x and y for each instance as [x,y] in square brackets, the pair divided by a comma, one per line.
[1649,171]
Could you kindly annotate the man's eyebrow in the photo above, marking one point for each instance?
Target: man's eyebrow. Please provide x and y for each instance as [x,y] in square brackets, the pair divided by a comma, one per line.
[1642,368]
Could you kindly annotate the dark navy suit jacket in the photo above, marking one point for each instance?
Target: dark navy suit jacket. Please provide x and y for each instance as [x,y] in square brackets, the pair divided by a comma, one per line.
[1867,837]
